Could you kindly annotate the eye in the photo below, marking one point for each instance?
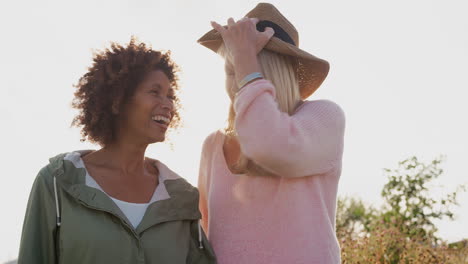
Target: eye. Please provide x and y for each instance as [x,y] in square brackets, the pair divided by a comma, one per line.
[171,97]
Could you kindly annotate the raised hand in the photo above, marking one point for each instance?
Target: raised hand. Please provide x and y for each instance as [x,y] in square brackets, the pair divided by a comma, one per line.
[243,42]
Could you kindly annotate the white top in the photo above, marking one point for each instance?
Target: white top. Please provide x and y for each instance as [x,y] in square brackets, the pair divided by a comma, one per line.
[133,211]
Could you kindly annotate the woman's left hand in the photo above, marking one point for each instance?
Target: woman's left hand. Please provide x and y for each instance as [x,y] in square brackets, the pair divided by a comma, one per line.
[243,42]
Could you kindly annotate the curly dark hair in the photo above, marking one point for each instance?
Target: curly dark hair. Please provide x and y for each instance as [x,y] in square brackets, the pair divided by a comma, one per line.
[111,81]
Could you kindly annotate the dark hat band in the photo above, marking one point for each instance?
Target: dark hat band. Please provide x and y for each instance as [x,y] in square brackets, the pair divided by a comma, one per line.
[279,32]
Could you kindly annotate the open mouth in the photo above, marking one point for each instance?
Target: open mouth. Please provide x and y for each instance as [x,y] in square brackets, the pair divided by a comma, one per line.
[163,120]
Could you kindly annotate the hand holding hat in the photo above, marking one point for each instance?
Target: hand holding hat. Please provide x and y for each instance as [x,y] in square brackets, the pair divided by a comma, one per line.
[243,42]
[242,36]
[311,70]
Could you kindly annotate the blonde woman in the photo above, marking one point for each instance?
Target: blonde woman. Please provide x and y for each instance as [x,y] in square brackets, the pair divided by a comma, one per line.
[268,182]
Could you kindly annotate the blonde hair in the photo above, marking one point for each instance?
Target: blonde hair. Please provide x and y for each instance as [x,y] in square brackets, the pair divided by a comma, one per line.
[280,70]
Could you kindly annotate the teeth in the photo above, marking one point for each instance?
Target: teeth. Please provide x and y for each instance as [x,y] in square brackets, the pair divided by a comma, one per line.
[161,118]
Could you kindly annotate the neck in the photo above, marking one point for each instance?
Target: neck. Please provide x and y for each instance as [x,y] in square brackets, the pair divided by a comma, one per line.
[122,156]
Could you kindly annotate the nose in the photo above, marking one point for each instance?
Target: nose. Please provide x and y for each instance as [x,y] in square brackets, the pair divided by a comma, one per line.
[168,104]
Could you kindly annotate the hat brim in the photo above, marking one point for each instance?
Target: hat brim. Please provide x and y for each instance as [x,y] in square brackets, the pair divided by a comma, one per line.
[312,70]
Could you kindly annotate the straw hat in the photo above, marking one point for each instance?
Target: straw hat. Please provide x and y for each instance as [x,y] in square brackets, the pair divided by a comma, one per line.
[312,70]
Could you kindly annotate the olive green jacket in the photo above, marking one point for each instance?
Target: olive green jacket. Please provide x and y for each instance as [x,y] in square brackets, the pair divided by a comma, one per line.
[69,222]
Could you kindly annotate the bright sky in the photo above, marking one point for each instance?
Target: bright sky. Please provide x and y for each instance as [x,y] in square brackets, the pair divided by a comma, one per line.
[398,69]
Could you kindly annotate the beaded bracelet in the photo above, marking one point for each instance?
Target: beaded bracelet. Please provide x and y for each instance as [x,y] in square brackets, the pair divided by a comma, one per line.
[249,78]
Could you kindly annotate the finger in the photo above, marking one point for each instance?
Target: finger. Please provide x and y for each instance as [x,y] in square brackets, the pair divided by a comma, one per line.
[231,22]
[254,20]
[269,32]
[244,20]
[264,37]
[218,27]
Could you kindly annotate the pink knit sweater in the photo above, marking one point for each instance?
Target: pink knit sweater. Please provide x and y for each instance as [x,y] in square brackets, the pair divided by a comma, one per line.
[288,219]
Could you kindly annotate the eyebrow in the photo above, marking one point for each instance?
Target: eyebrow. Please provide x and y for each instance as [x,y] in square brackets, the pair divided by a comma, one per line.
[158,86]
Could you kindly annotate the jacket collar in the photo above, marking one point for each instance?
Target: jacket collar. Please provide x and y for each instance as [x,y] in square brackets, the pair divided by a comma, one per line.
[182,203]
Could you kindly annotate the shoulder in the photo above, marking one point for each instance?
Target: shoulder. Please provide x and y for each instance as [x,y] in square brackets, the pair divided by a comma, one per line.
[66,167]
[54,167]
[322,105]
[325,109]
[212,139]
[168,174]
[57,163]
[175,184]
[44,179]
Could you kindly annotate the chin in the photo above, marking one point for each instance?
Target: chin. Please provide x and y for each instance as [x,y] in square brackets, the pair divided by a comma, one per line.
[157,139]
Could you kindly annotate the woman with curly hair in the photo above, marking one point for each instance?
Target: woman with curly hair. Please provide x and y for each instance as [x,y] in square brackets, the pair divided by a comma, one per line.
[115,205]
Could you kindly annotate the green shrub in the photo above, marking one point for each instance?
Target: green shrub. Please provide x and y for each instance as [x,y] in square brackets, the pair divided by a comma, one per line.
[390,246]
[403,229]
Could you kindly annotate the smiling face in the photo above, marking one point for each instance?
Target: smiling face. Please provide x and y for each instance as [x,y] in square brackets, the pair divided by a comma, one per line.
[148,113]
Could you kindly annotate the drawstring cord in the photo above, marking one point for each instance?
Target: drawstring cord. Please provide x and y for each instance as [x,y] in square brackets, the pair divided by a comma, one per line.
[200,244]
[59,220]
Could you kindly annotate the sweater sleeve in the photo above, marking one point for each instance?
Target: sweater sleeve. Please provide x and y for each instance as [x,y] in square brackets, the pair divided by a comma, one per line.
[39,227]
[307,143]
